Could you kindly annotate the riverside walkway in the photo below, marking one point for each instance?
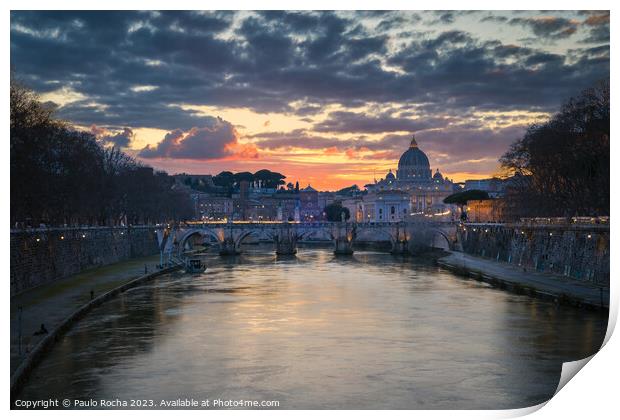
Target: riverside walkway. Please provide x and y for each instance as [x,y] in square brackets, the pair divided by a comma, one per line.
[50,304]
[542,284]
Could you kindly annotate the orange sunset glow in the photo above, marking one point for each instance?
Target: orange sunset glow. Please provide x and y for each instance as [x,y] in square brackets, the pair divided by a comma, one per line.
[329,99]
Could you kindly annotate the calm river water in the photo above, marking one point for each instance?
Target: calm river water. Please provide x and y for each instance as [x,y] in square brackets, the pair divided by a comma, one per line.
[315,331]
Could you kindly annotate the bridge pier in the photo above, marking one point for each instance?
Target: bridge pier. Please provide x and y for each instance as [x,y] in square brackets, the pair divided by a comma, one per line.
[400,247]
[343,235]
[343,246]
[229,247]
[286,241]
[400,239]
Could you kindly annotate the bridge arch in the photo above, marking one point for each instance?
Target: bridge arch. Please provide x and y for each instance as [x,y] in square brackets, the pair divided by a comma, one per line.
[313,232]
[193,232]
[440,240]
[360,231]
[246,234]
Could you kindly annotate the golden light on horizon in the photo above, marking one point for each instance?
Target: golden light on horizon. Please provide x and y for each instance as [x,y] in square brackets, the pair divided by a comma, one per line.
[332,167]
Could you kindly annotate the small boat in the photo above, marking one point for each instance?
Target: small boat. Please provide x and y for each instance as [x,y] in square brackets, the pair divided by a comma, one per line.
[195,267]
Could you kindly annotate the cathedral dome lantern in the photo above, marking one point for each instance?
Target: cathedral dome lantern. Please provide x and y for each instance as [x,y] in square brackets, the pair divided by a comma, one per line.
[438,177]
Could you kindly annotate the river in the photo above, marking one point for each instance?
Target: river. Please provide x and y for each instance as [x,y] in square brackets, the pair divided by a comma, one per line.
[317,331]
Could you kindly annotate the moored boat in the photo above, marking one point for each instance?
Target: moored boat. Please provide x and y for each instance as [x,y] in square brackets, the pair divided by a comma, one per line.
[195,266]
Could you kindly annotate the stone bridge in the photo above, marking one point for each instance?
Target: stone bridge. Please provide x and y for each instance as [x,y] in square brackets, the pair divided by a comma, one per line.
[405,237]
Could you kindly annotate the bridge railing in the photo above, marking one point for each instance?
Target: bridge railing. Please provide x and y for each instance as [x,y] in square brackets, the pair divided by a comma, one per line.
[308,225]
[601,220]
[565,224]
[44,229]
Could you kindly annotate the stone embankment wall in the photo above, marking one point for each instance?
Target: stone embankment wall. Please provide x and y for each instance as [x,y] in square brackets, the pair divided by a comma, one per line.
[41,256]
[577,251]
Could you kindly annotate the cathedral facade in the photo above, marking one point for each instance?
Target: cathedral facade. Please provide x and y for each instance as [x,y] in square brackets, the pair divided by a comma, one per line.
[414,178]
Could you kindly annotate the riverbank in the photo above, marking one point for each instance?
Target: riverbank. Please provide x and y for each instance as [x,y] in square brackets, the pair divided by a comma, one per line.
[559,289]
[51,303]
[24,363]
[48,255]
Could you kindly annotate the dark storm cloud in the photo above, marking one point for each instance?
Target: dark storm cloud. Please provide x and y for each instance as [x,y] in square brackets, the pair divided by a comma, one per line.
[137,113]
[501,51]
[120,139]
[300,138]
[467,73]
[592,53]
[548,26]
[597,23]
[398,21]
[445,17]
[213,141]
[469,143]
[308,110]
[351,122]
[297,22]
[598,35]
[197,22]
[267,47]
[271,59]
[495,19]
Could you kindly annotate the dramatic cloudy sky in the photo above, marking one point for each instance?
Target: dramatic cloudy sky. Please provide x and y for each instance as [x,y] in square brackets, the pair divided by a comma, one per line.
[325,98]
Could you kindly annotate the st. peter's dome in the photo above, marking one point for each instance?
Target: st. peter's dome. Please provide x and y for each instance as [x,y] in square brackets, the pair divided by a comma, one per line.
[413,164]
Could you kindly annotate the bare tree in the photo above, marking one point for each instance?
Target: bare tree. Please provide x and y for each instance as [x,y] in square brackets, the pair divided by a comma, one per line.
[60,175]
[562,165]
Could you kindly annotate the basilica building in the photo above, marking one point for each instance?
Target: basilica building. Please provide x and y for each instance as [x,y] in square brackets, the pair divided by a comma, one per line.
[413,190]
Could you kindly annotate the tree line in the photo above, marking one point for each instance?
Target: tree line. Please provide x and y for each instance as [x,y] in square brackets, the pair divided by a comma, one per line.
[267,178]
[64,176]
[227,182]
[562,167]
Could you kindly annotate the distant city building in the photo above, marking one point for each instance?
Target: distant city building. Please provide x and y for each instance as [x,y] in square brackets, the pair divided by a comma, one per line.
[309,204]
[380,206]
[413,190]
[209,207]
[425,190]
[258,189]
[287,205]
[493,186]
[485,211]
[325,198]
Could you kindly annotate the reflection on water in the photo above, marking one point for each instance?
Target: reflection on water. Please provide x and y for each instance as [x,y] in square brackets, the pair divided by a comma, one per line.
[315,331]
